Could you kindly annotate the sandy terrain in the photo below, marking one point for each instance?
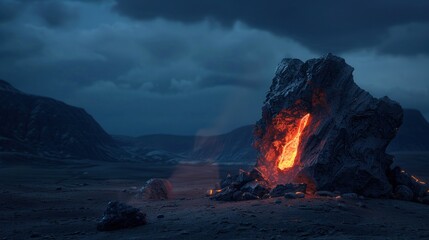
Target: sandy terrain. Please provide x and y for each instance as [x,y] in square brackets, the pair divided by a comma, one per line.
[65,201]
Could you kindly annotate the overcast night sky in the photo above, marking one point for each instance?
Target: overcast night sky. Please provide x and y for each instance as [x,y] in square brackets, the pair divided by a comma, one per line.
[202,67]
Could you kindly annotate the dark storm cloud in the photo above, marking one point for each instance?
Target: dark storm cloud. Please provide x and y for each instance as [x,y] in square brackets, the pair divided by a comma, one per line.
[16,45]
[324,26]
[55,13]
[206,73]
[9,9]
[409,39]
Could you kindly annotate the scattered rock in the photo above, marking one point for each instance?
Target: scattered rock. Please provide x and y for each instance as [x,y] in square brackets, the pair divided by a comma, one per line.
[281,189]
[300,195]
[244,177]
[226,194]
[119,215]
[234,188]
[278,201]
[401,177]
[157,189]
[403,192]
[226,182]
[256,175]
[349,196]
[237,196]
[324,194]
[257,188]
[249,196]
[290,195]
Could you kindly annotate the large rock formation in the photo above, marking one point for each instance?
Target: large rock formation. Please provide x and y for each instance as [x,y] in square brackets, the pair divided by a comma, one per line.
[319,127]
[44,127]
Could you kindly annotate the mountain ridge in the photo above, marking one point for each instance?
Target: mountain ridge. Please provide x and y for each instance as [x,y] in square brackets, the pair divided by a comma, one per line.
[47,127]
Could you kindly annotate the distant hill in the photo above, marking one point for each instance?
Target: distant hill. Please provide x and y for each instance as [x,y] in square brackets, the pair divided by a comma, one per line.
[45,127]
[236,146]
[413,135]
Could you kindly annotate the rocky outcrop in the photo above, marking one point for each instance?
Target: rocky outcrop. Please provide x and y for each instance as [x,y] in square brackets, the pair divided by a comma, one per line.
[46,127]
[120,215]
[320,133]
[342,148]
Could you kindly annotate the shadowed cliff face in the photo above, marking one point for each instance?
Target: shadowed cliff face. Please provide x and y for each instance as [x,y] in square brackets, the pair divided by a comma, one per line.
[45,127]
[342,146]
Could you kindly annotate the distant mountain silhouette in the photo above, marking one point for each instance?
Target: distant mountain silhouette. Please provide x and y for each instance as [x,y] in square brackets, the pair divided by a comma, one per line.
[46,127]
[413,135]
[236,146]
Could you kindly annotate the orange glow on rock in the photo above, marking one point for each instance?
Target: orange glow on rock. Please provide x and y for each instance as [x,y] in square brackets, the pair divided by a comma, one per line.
[211,192]
[417,180]
[291,143]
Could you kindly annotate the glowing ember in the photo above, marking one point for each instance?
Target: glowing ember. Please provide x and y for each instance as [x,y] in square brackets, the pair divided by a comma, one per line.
[417,180]
[290,149]
[210,192]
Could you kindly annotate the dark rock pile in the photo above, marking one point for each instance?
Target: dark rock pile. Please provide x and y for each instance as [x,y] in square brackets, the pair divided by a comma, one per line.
[251,185]
[119,215]
[408,187]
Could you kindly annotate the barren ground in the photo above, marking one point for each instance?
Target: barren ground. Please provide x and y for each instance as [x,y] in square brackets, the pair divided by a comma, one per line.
[65,201]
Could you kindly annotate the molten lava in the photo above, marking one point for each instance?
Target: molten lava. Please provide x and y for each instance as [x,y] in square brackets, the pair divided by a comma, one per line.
[291,143]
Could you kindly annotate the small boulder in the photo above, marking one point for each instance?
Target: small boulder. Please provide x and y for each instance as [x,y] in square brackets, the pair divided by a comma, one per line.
[119,215]
[349,196]
[255,174]
[243,177]
[257,188]
[324,194]
[281,189]
[249,196]
[227,194]
[403,192]
[226,182]
[290,195]
[237,196]
[157,189]
[300,195]
[401,177]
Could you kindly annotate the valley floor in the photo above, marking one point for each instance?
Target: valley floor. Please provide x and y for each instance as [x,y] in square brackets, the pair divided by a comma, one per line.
[66,201]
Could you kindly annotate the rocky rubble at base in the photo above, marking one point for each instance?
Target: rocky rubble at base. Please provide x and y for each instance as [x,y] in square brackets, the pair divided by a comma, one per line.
[408,187]
[251,186]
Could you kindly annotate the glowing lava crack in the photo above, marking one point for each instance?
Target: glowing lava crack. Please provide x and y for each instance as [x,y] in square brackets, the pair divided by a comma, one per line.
[290,149]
